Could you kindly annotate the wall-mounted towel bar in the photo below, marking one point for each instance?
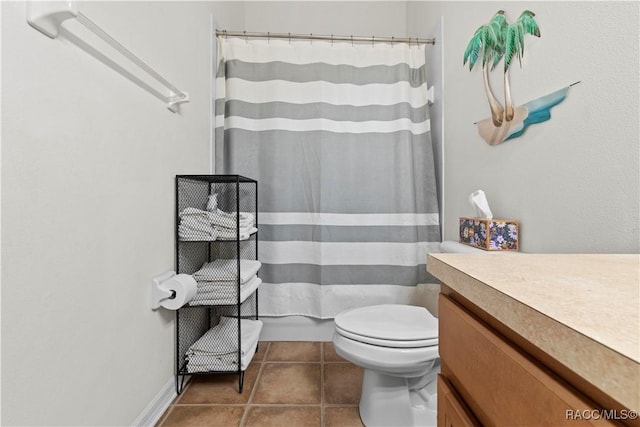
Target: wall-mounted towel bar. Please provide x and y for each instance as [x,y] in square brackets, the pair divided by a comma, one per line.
[47,17]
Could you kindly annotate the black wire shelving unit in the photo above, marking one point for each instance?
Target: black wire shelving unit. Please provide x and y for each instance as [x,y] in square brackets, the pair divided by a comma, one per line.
[234,193]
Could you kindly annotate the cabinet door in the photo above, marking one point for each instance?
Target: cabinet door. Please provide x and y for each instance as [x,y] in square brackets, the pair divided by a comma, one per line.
[451,410]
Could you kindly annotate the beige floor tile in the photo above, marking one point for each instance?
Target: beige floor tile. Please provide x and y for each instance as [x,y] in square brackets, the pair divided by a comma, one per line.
[192,416]
[278,391]
[219,388]
[280,416]
[330,354]
[286,383]
[342,416]
[342,383]
[294,351]
[262,349]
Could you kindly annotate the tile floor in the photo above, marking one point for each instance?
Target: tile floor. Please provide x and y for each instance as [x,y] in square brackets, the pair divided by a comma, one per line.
[294,384]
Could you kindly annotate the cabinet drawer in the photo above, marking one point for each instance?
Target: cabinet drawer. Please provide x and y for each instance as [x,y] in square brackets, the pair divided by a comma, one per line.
[451,410]
[500,384]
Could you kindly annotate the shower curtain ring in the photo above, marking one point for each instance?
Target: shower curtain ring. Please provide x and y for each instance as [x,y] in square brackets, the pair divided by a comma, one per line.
[311,38]
[289,38]
[392,39]
[225,35]
[373,38]
[268,37]
[352,40]
[246,38]
[331,39]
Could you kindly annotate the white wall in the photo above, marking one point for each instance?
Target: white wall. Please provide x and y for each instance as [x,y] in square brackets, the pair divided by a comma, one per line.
[88,166]
[379,18]
[573,181]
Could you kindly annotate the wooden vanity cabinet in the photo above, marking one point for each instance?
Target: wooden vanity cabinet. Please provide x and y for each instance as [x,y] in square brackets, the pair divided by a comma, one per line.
[452,411]
[487,380]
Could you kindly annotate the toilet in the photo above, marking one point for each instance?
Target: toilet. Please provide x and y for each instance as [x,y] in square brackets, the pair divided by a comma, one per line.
[397,345]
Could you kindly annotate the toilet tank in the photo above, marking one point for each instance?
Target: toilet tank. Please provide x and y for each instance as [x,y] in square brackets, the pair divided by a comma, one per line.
[449,246]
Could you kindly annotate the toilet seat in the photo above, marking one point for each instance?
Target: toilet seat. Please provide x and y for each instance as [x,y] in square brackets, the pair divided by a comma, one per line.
[387,343]
[389,325]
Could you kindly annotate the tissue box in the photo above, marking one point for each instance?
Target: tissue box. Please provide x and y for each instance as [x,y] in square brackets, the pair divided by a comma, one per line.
[489,234]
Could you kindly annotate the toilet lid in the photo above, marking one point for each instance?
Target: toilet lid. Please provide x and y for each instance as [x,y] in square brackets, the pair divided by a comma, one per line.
[389,325]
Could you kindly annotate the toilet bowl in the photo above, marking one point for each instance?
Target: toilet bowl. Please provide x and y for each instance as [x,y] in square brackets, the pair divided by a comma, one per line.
[397,346]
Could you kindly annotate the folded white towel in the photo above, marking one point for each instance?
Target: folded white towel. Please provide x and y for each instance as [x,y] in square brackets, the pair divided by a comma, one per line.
[212,218]
[201,359]
[212,203]
[196,222]
[221,363]
[227,296]
[243,215]
[227,270]
[247,218]
[215,233]
[244,218]
[188,234]
[231,234]
[218,218]
[223,337]
[193,211]
[196,238]
[228,286]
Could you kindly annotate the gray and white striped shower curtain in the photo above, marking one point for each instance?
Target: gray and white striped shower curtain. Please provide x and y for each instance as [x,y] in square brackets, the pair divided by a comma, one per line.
[338,137]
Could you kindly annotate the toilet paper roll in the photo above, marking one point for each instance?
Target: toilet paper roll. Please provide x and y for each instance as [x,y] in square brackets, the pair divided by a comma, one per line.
[185,288]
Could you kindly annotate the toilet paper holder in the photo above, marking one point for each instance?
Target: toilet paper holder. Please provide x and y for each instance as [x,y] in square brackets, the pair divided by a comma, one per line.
[159,292]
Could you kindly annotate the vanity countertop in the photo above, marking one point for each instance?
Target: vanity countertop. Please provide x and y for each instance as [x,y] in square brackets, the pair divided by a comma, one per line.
[583,310]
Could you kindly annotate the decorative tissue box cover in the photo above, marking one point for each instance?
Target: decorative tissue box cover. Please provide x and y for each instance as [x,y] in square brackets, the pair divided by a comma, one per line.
[489,234]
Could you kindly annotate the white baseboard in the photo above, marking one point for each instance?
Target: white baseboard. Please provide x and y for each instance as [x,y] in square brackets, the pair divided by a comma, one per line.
[157,407]
[296,328]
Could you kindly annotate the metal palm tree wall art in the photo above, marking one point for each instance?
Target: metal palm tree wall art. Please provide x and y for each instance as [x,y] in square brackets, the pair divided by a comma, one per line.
[501,41]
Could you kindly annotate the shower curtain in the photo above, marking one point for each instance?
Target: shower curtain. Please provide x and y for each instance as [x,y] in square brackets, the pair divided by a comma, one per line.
[338,137]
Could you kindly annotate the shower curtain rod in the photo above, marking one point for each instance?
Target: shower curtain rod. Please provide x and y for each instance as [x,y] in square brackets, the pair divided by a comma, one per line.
[332,37]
